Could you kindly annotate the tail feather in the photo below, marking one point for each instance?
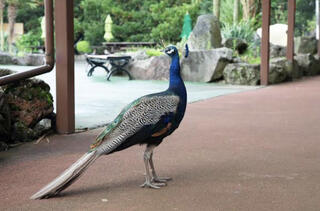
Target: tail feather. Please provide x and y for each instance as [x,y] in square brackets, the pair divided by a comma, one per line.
[67,177]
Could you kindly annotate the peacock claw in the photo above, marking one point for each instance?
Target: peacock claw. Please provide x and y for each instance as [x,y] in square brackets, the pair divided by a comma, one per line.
[161,179]
[154,185]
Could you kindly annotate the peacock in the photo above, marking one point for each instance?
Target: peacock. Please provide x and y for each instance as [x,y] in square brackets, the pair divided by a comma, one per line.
[145,121]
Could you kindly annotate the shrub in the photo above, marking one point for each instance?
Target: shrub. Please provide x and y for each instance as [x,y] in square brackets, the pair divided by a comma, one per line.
[28,42]
[84,47]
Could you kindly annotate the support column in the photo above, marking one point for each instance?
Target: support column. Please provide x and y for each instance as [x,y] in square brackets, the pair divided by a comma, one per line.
[290,36]
[264,68]
[64,66]
[318,23]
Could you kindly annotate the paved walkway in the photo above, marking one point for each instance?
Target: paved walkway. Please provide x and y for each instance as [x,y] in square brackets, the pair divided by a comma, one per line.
[257,150]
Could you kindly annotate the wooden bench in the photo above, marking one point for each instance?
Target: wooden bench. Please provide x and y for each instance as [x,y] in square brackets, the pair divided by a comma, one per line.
[117,64]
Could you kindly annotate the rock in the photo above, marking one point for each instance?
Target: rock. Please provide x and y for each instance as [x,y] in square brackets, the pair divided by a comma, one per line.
[308,64]
[22,133]
[5,119]
[138,55]
[238,44]
[30,60]
[292,68]
[42,127]
[3,146]
[4,72]
[154,68]
[277,74]
[242,74]
[206,34]
[29,101]
[278,34]
[305,45]
[205,66]
[5,58]
[277,51]
[237,60]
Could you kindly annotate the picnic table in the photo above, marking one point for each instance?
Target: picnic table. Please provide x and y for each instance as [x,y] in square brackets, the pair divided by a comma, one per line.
[117,64]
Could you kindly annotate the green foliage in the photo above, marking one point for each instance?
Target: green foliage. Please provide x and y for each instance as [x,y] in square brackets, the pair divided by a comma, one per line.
[28,42]
[134,20]
[243,30]
[84,47]
[226,10]
[153,52]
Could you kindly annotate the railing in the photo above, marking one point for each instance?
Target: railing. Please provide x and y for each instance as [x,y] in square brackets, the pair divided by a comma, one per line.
[49,46]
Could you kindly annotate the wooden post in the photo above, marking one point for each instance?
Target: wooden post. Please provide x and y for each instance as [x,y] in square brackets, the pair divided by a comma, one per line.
[64,66]
[318,23]
[264,69]
[290,35]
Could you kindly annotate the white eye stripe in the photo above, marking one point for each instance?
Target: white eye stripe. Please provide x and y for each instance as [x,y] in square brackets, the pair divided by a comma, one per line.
[170,51]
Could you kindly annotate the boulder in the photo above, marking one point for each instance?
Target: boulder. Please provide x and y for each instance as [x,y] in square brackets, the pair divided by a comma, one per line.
[4,72]
[205,66]
[292,68]
[154,68]
[277,74]
[242,74]
[29,101]
[277,51]
[6,58]
[137,55]
[305,45]
[5,119]
[278,34]
[30,60]
[308,64]
[26,60]
[206,33]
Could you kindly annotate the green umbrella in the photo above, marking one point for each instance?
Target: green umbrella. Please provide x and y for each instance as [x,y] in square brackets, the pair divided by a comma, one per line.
[108,29]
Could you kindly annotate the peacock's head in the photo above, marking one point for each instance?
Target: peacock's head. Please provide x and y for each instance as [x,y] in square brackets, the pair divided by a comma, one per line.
[171,50]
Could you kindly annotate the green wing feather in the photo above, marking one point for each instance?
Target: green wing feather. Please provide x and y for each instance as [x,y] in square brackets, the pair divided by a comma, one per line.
[113,124]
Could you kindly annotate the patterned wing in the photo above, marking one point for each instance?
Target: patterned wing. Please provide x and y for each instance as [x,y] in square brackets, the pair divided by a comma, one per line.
[148,111]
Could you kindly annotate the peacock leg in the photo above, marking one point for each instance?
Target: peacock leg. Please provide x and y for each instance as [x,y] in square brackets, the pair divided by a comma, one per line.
[149,183]
[155,177]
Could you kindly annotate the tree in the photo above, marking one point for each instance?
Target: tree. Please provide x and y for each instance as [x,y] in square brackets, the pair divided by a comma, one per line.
[236,11]
[12,14]
[2,5]
[249,8]
[216,8]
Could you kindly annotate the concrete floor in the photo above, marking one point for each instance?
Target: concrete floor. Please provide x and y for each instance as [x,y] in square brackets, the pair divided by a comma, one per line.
[98,101]
[255,150]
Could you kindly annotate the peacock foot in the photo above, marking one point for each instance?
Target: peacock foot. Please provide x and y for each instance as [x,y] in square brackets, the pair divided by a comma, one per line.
[154,185]
[161,179]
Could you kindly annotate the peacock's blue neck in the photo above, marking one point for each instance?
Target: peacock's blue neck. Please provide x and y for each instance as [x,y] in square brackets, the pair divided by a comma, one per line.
[176,83]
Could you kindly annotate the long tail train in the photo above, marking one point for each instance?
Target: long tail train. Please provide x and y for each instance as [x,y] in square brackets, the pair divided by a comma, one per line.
[67,177]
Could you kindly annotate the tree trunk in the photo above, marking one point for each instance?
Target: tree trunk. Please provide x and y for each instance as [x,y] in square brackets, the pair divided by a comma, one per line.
[216,8]
[1,25]
[12,14]
[249,9]
[236,12]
